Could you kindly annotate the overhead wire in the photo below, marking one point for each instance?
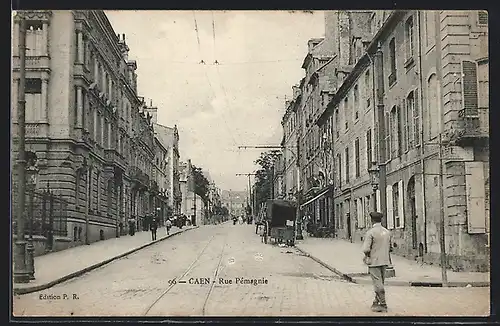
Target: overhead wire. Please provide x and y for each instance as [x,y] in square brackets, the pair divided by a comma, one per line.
[219,74]
[206,75]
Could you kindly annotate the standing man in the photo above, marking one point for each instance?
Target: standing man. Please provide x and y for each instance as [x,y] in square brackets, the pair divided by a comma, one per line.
[153,227]
[377,247]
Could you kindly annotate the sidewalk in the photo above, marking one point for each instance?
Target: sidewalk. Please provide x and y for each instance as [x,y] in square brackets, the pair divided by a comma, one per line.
[345,259]
[60,266]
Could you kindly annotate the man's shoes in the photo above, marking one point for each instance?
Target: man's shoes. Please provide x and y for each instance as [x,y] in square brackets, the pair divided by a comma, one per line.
[379,308]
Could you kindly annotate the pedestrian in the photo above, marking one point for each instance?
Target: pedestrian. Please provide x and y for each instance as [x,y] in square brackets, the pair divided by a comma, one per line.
[168,225]
[153,227]
[131,225]
[377,248]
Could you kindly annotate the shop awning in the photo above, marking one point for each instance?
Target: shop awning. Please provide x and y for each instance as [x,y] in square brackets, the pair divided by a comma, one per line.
[315,197]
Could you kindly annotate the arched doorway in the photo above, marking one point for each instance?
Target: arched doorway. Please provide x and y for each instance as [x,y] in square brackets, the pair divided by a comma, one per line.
[413,211]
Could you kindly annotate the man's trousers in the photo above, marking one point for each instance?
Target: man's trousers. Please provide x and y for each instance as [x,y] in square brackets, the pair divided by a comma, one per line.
[378,278]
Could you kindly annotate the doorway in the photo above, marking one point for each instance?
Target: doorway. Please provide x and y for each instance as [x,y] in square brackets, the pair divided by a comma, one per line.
[413,212]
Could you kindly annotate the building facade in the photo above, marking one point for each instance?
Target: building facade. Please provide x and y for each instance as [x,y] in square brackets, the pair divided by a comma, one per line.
[169,138]
[312,96]
[417,101]
[160,187]
[290,147]
[84,120]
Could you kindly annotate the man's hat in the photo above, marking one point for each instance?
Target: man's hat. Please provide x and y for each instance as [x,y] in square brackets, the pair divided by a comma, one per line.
[376,215]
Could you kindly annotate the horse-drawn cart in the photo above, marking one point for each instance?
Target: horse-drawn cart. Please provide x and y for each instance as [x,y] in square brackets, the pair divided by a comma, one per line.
[280,221]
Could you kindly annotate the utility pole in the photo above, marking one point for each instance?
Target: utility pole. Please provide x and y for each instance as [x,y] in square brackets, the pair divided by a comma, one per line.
[380,128]
[21,274]
[250,201]
[439,73]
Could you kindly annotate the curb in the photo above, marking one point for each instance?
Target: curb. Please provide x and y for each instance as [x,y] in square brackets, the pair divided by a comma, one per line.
[356,279]
[336,271]
[36,288]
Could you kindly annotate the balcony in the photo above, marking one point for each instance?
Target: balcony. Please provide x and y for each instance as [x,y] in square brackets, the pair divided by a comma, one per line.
[80,70]
[473,126]
[41,63]
[113,158]
[139,178]
[154,187]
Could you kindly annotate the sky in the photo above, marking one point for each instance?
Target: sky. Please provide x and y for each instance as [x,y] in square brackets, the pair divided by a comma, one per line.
[240,101]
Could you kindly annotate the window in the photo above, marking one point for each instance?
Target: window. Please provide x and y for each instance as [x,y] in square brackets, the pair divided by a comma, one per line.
[78,182]
[356,157]
[394,132]
[109,197]
[410,104]
[75,110]
[337,123]
[399,131]
[98,192]
[367,210]
[368,88]
[395,204]
[398,205]
[430,27]
[392,58]
[369,148]
[33,98]
[409,38]
[470,88]
[482,17]
[33,86]
[356,102]
[346,109]
[347,165]
[360,213]
[339,169]
[387,136]
[433,106]
[35,42]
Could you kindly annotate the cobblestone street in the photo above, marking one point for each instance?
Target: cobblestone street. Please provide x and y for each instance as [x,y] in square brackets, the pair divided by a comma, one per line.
[142,284]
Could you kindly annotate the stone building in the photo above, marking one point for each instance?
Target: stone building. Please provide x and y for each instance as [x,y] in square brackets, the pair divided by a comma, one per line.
[84,120]
[278,177]
[168,137]
[418,87]
[289,145]
[161,181]
[311,97]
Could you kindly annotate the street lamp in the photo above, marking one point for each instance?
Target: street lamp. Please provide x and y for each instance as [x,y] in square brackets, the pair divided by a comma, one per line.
[158,209]
[32,176]
[374,172]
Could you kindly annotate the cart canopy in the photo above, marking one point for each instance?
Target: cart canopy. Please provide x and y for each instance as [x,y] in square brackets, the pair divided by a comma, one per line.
[280,211]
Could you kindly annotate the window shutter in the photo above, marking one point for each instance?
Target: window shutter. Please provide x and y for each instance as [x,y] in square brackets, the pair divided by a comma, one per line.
[404,123]
[400,205]
[469,88]
[361,217]
[475,192]
[377,199]
[416,118]
[390,215]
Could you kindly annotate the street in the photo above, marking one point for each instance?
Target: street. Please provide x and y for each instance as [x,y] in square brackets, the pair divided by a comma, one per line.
[148,283]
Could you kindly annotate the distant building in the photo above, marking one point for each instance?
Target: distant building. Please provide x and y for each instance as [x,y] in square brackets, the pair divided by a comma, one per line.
[235,201]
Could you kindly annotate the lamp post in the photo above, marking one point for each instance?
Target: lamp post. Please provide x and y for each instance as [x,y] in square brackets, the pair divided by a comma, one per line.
[21,275]
[374,172]
[32,174]
[299,235]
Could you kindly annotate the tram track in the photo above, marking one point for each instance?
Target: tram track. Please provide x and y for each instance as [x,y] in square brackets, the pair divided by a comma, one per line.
[189,269]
